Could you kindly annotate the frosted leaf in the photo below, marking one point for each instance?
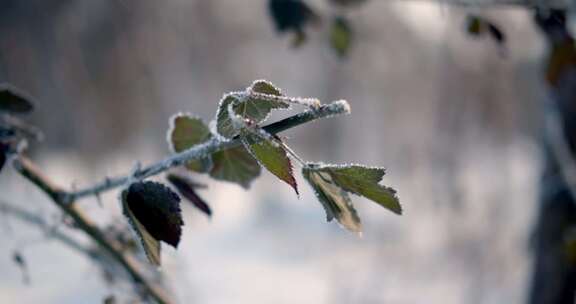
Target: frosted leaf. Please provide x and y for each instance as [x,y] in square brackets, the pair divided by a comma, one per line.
[334,199]
[265,87]
[186,132]
[254,107]
[332,184]
[363,181]
[224,124]
[153,210]
[235,165]
[271,155]
[257,107]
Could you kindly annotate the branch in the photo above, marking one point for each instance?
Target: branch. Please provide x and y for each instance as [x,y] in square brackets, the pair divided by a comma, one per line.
[65,200]
[25,167]
[213,145]
[39,222]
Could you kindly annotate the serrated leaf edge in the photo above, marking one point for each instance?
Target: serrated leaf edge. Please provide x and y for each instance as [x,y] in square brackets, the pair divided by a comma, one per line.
[249,89]
[346,196]
[290,169]
[213,125]
[321,165]
[172,126]
[135,225]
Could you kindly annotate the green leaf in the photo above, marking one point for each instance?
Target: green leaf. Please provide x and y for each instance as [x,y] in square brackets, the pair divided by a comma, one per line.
[257,108]
[333,183]
[335,201]
[253,108]
[341,36]
[272,156]
[265,87]
[224,124]
[153,210]
[14,101]
[235,165]
[364,181]
[185,132]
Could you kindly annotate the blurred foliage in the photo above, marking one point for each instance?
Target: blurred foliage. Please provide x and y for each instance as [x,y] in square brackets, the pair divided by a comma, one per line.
[478,26]
[187,188]
[292,16]
[341,36]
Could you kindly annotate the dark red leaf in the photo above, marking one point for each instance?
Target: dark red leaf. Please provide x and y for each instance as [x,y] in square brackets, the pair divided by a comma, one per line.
[185,187]
[157,208]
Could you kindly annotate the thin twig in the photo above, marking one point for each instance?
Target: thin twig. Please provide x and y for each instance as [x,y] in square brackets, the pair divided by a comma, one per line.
[39,222]
[202,150]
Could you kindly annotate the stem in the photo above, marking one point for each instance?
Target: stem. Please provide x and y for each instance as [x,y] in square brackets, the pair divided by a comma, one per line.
[292,153]
[309,102]
[207,148]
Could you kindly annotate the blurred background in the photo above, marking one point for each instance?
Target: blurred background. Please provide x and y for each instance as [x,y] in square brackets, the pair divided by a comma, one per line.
[453,119]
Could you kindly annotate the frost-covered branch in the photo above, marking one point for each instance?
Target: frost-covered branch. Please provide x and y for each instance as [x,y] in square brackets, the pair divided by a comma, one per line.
[65,200]
[213,145]
[29,170]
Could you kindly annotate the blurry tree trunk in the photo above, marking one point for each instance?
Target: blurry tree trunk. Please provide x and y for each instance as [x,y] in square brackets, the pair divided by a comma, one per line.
[554,272]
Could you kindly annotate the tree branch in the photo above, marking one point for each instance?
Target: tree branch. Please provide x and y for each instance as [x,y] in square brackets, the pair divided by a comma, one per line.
[213,145]
[25,167]
[65,200]
[39,222]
